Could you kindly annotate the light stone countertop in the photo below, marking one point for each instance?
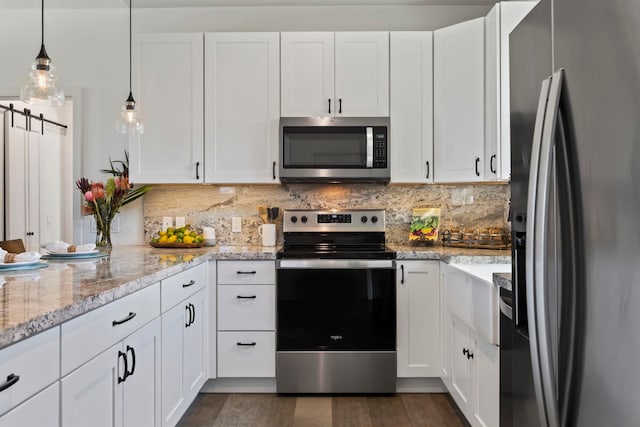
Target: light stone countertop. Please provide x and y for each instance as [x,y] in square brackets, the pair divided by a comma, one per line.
[502,280]
[32,301]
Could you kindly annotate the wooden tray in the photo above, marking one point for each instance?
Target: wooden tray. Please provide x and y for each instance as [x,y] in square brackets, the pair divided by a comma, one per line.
[177,245]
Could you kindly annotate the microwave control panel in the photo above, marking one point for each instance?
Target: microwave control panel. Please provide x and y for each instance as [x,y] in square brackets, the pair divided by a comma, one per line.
[380,147]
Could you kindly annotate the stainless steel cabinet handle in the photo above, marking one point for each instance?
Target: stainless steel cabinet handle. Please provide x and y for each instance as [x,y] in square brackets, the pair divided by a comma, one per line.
[130,316]
[11,380]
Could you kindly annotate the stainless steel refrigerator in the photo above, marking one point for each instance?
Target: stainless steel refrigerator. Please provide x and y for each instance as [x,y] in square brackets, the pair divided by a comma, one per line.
[575,135]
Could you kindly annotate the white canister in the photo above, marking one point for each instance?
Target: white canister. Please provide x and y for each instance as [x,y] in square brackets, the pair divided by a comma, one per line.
[209,235]
[268,234]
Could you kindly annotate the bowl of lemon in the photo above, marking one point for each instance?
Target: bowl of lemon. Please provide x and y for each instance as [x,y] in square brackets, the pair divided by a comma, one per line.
[183,237]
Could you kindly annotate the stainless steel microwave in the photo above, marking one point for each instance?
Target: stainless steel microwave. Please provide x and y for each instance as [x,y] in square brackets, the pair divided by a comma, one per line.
[334,149]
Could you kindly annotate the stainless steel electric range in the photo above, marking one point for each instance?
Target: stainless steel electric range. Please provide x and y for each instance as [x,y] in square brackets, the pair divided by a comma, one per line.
[336,304]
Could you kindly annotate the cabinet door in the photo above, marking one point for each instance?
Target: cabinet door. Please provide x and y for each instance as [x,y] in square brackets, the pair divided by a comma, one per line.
[362,73]
[307,71]
[43,409]
[174,401]
[486,373]
[411,106]
[91,395]
[461,365]
[242,104]
[418,319]
[459,102]
[141,403]
[168,87]
[493,130]
[195,345]
[499,22]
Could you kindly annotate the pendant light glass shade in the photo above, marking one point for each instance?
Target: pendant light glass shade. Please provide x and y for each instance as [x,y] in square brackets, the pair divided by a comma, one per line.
[129,120]
[40,86]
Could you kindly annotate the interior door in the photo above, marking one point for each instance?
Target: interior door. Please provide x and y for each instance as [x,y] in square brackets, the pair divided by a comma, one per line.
[22,174]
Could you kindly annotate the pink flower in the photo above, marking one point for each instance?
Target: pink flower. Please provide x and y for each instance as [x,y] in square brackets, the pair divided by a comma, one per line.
[88,196]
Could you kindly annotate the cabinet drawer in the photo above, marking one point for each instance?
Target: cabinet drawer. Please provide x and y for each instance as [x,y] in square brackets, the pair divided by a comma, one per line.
[257,358]
[247,307]
[43,409]
[184,284]
[246,273]
[88,335]
[34,361]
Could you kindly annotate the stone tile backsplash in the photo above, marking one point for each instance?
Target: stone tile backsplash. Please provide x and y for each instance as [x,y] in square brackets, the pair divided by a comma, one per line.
[479,205]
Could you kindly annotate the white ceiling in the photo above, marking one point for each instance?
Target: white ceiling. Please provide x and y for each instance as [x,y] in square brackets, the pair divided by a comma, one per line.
[105,4]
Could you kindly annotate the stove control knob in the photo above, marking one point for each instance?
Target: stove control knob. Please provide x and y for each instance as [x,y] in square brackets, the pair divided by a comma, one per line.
[294,219]
[374,219]
[304,219]
[364,219]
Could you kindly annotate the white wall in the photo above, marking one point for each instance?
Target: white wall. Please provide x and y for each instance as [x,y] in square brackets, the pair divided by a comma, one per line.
[89,47]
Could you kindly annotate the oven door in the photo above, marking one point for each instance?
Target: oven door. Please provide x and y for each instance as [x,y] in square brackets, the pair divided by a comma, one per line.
[336,330]
[336,305]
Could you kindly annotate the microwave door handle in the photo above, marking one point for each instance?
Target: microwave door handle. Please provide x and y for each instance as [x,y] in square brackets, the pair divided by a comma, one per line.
[369,147]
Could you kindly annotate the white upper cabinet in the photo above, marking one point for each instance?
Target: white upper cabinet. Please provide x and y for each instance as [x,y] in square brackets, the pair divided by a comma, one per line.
[242,99]
[500,21]
[411,106]
[335,74]
[307,82]
[362,73]
[459,102]
[169,90]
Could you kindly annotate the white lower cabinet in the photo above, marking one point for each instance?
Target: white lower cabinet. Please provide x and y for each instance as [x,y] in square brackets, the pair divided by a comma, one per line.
[247,354]
[92,395]
[418,318]
[470,364]
[43,409]
[246,319]
[184,355]
[119,387]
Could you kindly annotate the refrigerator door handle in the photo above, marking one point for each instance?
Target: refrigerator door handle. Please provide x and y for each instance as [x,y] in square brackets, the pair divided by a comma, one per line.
[532,213]
[546,384]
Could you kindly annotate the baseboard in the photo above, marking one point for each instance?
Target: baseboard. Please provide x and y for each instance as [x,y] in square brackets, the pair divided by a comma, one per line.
[268,385]
[240,385]
[420,385]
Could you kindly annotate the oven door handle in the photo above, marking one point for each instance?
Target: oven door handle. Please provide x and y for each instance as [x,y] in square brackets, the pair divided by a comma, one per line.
[322,264]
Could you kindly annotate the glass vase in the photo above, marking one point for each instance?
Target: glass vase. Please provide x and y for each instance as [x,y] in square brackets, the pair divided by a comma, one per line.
[103,233]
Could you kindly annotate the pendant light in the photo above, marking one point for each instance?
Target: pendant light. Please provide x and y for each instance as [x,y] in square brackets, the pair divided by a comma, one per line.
[40,87]
[129,121]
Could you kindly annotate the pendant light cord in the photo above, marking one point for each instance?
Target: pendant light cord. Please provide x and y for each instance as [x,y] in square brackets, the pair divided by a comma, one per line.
[42,24]
[130,43]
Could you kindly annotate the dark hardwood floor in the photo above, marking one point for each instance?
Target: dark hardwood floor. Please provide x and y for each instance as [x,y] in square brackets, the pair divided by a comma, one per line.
[271,410]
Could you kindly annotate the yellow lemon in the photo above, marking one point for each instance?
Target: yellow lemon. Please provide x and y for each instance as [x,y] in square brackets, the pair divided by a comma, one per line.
[187,239]
[172,239]
[163,239]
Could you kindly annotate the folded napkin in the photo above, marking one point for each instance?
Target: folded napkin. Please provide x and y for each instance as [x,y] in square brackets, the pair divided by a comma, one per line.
[9,258]
[60,247]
